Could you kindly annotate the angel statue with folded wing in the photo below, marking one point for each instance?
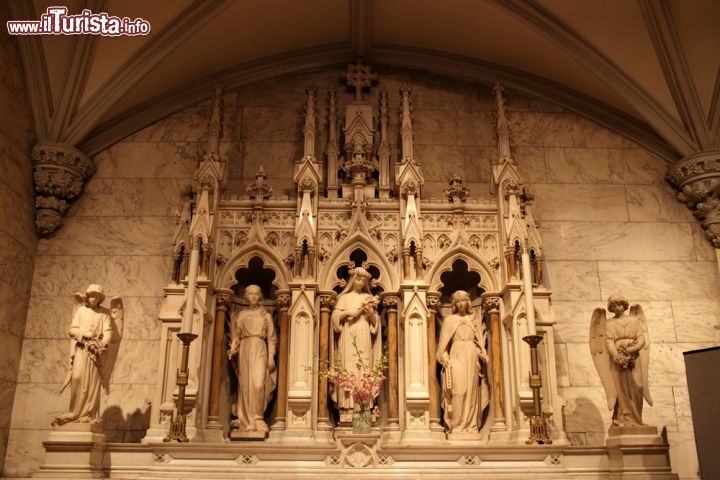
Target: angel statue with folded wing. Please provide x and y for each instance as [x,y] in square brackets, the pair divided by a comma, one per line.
[92,329]
[620,348]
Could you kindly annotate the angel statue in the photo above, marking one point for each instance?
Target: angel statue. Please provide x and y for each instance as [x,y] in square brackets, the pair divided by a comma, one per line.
[91,331]
[461,351]
[620,348]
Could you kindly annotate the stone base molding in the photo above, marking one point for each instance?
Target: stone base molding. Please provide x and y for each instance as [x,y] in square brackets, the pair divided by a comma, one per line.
[59,174]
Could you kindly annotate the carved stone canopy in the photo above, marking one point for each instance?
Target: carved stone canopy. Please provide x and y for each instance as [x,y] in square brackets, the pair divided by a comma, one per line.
[697,177]
[59,174]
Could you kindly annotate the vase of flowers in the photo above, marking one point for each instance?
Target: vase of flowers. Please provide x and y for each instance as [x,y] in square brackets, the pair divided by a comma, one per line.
[364,386]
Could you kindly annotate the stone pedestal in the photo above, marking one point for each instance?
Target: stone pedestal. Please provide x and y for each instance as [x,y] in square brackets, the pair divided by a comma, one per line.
[638,453]
[74,450]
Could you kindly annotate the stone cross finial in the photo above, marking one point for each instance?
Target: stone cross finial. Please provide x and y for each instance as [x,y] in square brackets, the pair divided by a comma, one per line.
[359,76]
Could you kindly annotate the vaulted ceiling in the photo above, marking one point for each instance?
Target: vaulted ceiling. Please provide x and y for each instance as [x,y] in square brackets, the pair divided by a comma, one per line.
[648,68]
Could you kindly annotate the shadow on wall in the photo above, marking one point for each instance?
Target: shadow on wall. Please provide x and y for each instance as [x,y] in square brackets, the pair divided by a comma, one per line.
[120,429]
[584,423]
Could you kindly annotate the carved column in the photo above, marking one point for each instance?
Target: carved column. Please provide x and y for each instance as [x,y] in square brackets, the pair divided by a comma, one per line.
[222,300]
[418,264]
[327,301]
[391,303]
[185,265]
[283,304]
[537,271]
[510,262]
[697,177]
[205,259]
[491,304]
[59,174]
[406,262]
[433,300]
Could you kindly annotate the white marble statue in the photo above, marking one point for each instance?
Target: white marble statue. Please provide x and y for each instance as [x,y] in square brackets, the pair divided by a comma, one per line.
[461,351]
[620,347]
[357,327]
[253,342]
[91,331]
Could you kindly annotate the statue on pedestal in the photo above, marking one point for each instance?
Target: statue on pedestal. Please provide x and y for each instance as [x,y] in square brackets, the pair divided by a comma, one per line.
[356,324]
[620,347]
[252,341]
[461,351]
[91,331]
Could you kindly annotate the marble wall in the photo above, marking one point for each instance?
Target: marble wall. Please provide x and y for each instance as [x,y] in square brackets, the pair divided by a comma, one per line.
[608,220]
[17,229]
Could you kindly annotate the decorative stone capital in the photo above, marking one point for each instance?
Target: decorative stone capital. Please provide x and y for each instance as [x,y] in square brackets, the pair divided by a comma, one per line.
[327,300]
[491,303]
[697,177]
[59,174]
[283,300]
[390,301]
[223,297]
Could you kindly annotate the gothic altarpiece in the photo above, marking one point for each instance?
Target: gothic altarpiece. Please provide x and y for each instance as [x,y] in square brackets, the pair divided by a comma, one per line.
[358,204]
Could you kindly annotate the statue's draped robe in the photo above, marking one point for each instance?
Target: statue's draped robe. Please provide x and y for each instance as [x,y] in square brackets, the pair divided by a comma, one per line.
[85,376]
[366,338]
[628,381]
[465,400]
[257,340]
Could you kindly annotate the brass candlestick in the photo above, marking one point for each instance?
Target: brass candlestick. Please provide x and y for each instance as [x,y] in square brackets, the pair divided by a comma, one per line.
[538,427]
[177,426]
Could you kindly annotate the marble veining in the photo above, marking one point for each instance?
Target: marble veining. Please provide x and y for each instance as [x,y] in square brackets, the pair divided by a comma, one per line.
[140,275]
[13,309]
[272,124]
[573,280]
[561,129]
[124,197]
[64,275]
[440,162]
[598,203]
[697,321]
[453,127]
[650,203]
[131,160]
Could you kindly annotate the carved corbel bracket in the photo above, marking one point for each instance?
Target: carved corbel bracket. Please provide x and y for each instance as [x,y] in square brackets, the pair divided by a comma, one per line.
[697,177]
[59,174]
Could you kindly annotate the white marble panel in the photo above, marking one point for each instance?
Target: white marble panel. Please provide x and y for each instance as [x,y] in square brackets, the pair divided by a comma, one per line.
[663,412]
[188,125]
[433,92]
[531,163]
[452,127]
[599,203]
[573,280]
[618,241]
[581,368]
[7,396]
[10,357]
[667,364]
[683,454]
[704,251]
[561,365]
[25,452]
[697,321]
[682,409]
[636,166]
[579,166]
[17,170]
[277,159]
[124,197]
[440,162]
[561,129]
[141,318]
[273,124]
[136,362]
[64,275]
[286,91]
[150,160]
[137,276]
[17,257]
[586,409]
[37,404]
[111,236]
[656,203]
[17,215]
[49,317]
[13,308]
[45,360]
[642,281]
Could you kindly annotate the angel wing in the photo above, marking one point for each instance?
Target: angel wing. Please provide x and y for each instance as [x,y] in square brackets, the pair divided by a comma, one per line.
[117,313]
[637,311]
[600,355]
